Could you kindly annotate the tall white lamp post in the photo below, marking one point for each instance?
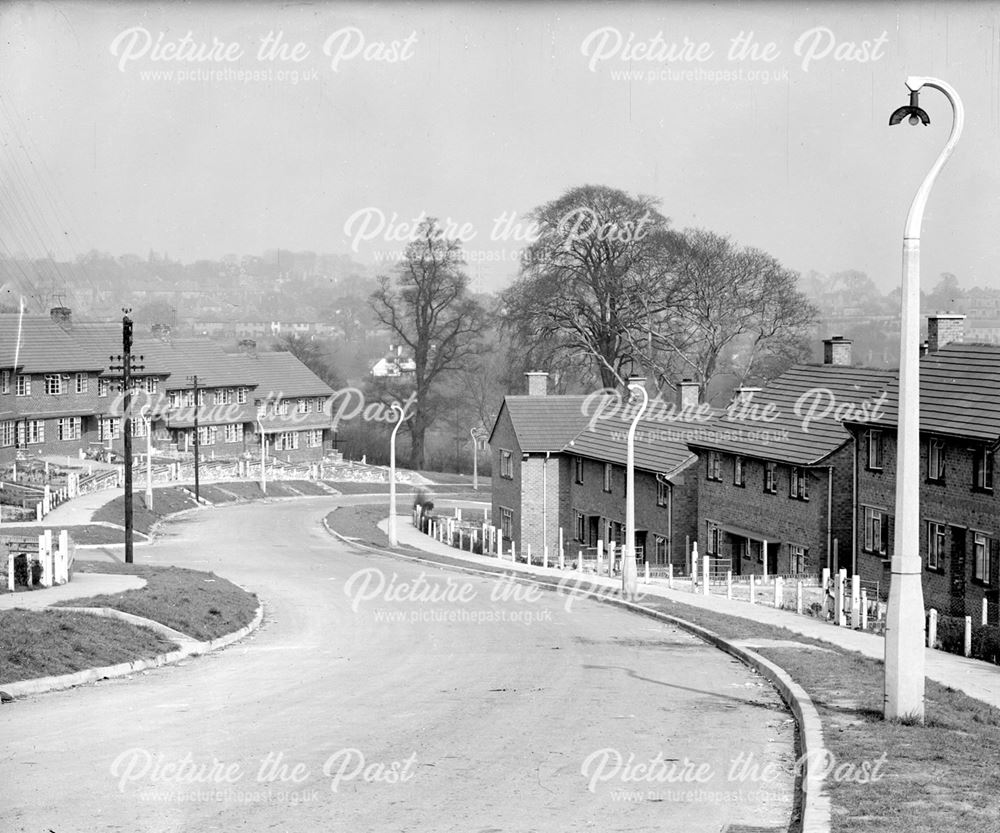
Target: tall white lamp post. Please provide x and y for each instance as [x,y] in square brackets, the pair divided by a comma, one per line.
[393,540]
[630,578]
[476,434]
[904,632]
[149,456]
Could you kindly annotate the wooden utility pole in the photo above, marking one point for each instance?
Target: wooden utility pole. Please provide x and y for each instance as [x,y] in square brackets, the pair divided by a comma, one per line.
[197,488]
[126,368]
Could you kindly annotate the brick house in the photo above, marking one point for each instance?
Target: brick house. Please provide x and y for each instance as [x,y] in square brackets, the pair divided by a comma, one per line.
[775,472]
[557,467]
[959,506]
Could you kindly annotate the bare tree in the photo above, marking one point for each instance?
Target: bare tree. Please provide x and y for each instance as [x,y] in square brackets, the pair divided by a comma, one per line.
[599,251]
[430,311]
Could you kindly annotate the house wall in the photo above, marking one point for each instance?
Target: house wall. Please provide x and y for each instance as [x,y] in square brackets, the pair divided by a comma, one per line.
[506,490]
[952,590]
[541,489]
[776,517]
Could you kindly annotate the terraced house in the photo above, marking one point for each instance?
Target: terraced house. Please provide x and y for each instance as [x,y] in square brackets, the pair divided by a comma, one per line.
[959,501]
[776,471]
[558,468]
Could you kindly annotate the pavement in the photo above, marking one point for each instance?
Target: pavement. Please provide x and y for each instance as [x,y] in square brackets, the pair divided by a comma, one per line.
[80,586]
[978,679]
[75,512]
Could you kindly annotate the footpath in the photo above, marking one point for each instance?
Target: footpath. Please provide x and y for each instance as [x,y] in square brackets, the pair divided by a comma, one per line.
[975,678]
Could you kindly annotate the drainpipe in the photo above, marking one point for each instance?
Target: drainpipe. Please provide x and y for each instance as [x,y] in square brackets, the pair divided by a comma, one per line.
[829,518]
[545,500]
[854,510]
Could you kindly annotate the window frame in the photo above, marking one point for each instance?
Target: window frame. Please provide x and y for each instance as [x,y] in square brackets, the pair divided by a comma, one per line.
[876,449]
[739,472]
[578,470]
[798,483]
[662,493]
[506,464]
[937,543]
[982,470]
[770,477]
[981,561]
[936,448]
[22,384]
[713,467]
[81,383]
[608,478]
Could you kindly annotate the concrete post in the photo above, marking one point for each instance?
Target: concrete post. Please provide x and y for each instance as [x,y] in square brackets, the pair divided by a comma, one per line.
[968,636]
[729,584]
[579,561]
[753,589]
[611,558]
[986,617]
[855,601]
[779,592]
[527,553]
[38,512]
[932,628]
[840,615]
[10,573]
[562,560]
[513,552]
[458,513]
[545,556]
[62,574]
[562,550]
[798,597]
[864,610]
[670,576]
[45,559]
[694,570]
[705,574]
[764,553]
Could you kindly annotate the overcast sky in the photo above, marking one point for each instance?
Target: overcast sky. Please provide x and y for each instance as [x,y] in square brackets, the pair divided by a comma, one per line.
[487,111]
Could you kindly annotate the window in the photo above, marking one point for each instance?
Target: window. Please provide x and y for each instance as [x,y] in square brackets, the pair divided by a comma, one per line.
[607,477]
[714,466]
[935,461]
[281,407]
[875,450]
[712,545]
[506,464]
[578,463]
[876,531]
[140,426]
[8,433]
[109,428]
[660,549]
[314,438]
[81,382]
[5,381]
[234,433]
[798,486]
[935,545]
[581,527]
[770,478]
[224,396]
[207,434]
[53,384]
[68,428]
[32,431]
[981,550]
[102,387]
[798,557]
[286,441]
[22,386]
[506,522]
[662,492]
[261,407]
[241,396]
[201,397]
[173,399]
[739,475]
[302,406]
[983,470]
[152,384]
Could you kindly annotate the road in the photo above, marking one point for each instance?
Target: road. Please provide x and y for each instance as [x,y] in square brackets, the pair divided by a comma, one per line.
[381,694]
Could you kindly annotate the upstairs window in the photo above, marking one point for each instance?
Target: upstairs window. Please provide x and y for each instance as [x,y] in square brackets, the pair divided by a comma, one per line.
[578,466]
[935,461]
[983,470]
[506,464]
[22,386]
[662,493]
[875,450]
[798,483]
[81,382]
[714,464]
[53,384]
[739,473]
[771,478]
[607,477]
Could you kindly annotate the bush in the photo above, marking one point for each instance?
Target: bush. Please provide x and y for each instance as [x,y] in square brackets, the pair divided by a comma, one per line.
[36,572]
[21,570]
[985,639]
[986,643]
[951,634]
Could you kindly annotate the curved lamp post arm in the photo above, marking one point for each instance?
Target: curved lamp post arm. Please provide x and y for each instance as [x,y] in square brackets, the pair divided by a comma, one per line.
[629,569]
[916,215]
[403,416]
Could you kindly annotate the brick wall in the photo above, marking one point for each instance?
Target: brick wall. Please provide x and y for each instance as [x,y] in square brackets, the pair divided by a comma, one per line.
[506,491]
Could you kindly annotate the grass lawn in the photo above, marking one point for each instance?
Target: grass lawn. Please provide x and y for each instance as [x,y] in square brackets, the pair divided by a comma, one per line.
[196,603]
[942,776]
[78,534]
[211,493]
[350,488]
[43,643]
[166,500]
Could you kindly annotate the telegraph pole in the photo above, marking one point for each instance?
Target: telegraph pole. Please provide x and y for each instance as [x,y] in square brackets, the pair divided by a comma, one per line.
[126,368]
[197,493]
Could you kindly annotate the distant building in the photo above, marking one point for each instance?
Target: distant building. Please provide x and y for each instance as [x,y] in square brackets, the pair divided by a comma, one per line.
[394,364]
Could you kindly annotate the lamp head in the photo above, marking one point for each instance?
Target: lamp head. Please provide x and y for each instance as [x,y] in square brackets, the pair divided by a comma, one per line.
[912,110]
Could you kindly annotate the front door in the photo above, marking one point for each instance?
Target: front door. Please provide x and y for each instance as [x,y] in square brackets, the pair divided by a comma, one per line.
[957,571]
[773,547]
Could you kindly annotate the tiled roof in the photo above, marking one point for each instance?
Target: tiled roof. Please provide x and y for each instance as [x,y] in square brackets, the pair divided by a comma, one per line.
[98,341]
[798,417]
[282,374]
[959,393]
[545,423]
[187,357]
[44,347]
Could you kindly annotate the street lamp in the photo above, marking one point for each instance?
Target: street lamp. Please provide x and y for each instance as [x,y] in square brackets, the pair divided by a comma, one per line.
[393,540]
[476,436]
[263,456]
[904,628]
[630,579]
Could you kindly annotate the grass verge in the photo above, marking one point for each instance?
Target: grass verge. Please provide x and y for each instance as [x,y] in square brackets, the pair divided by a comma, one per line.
[938,776]
[43,643]
[201,605]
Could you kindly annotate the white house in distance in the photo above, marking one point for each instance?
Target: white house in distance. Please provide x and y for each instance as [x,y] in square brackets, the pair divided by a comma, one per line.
[394,364]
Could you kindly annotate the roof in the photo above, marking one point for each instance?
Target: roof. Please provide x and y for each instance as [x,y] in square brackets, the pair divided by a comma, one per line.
[43,346]
[959,393]
[544,423]
[798,417]
[280,373]
[659,446]
[189,357]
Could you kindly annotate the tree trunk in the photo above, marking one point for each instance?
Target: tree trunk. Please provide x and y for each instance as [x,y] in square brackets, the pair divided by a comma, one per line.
[417,431]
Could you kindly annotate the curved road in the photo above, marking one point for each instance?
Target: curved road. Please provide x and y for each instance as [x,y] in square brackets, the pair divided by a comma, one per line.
[382,694]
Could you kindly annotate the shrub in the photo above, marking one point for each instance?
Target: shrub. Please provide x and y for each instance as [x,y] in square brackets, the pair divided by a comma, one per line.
[36,572]
[986,643]
[21,570]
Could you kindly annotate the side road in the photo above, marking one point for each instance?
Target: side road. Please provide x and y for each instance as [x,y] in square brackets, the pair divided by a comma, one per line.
[978,679]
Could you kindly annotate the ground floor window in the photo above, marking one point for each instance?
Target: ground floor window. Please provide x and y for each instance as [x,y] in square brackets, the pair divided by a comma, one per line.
[31,431]
[797,558]
[660,549]
[286,441]
[712,539]
[234,433]
[207,434]
[8,432]
[314,438]
[935,545]
[506,522]
[984,549]
[109,428]
[69,428]
[581,526]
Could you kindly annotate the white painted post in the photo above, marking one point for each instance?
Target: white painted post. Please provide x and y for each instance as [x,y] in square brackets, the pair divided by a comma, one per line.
[753,589]
[779,592]
[545,556]
[562,551]
[600,554]
[855,602]
[694,565]
[527,553]
[47,495]
[562,560]
[968,636]
[458,513]
[932,628]
[579,561]
[840,617]
[45,559]
[38,512]
[670,576]
[10,573]
[764,553]
[705,572]
[62,558]
[729,584]
[513,552]
[864,610]
[798,597]
[986,617]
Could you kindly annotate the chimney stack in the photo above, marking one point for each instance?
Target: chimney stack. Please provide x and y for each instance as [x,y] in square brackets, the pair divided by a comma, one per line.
[944,328]
[63,316]
[837,351]
[538,383]
[688,394]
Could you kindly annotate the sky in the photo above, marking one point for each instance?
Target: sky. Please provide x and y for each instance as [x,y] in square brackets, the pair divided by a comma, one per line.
[184,128]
